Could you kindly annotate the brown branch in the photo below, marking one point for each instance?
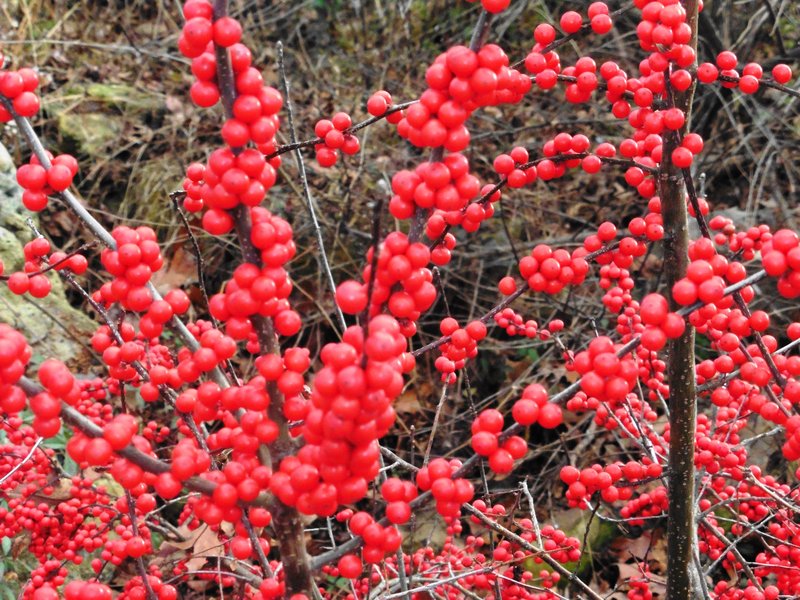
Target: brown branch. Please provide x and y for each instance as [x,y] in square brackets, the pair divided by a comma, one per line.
[680,363]
[286,519]
[540,552]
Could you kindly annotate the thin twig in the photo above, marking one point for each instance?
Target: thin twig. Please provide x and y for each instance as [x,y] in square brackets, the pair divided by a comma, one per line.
[301,168]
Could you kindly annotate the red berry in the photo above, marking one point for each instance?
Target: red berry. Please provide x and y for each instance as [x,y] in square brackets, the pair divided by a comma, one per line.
[550,416]
[571,22]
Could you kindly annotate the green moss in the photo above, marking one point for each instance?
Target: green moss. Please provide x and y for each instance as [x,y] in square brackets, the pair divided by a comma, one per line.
[90,132]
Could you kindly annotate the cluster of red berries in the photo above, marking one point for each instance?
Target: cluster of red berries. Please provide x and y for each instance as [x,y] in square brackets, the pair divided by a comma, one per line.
[622,256]
[748,80]
[726,590]
[691,145]
[135,590]
[753,371]
[215,348]
[18,87]
[449,492]
[550,271]
[515,324]
[15,354]
[599,19]
[747,243]
[175,302]
[255,109]
[288,373]
[378,540]
[648,504]
[584,483]
[463,345]
[58,527]
[97,452]
[120,351]
[227,181]
[335,138]
[497,510]
[618,284]
[651,226]
[254,291]
[706,276]
[34,259]
[514,168]
[661,324]
[351,409]
[379,104]
[639,585]
[729,326]
[664,25]
[459,81]
[132,265]
[555,542]
[446,187]
[791,447]
[208,402]
[60,385]
[486,430]
[128,545]
[199,31]
[562,146]
[37,182]
[31,279]
[715,455]
[604,375]
[239,482]
[75,590]
[780,257]
[273,236]
[187,461]
[545,66]
[402,282]
[398,494]
[533,407]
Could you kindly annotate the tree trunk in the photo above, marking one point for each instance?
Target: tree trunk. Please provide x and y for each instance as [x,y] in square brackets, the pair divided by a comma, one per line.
[680,368]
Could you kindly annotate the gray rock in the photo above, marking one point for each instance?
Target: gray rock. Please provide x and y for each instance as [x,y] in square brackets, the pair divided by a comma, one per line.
[53,327]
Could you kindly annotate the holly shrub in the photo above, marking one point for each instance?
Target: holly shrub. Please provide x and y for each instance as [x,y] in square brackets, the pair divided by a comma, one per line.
[218,417]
